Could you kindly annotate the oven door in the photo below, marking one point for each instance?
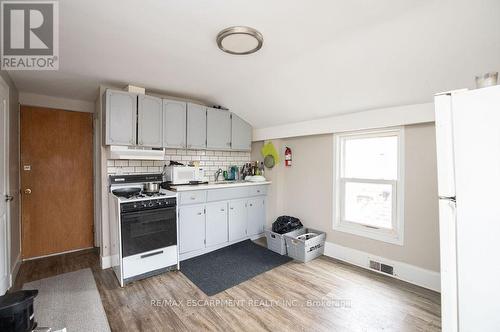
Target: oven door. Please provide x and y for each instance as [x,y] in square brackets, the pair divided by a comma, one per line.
[148,230]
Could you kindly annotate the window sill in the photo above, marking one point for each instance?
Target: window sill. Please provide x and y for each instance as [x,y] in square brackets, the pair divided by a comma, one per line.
[367,232]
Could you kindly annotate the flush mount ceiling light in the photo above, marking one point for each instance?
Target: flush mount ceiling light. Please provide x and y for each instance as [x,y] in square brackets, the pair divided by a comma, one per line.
[240,40]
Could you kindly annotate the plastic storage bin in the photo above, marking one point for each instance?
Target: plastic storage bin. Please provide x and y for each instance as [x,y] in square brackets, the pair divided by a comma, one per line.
[276,241]
[306,246]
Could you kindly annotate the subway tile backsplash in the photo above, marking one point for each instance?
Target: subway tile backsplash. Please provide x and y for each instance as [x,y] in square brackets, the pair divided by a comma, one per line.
[211,161]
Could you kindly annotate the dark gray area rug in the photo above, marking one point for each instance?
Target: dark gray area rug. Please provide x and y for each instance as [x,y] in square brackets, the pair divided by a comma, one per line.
[224,268]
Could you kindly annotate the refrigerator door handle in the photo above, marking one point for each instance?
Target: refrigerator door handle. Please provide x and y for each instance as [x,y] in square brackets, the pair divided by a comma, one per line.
[450,198]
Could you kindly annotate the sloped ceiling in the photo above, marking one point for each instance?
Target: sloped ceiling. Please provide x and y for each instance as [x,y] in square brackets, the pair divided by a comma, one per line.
[320,58]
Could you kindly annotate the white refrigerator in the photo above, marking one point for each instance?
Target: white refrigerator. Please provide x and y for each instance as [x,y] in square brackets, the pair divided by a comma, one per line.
[468,154]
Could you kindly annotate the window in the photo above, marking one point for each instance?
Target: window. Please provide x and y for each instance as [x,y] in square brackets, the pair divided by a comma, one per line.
[369,184]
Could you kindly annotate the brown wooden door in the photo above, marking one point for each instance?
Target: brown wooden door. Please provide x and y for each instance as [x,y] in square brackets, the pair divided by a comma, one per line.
[56,166]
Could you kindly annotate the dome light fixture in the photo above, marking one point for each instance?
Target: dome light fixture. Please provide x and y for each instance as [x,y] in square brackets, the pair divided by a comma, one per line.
[240,40]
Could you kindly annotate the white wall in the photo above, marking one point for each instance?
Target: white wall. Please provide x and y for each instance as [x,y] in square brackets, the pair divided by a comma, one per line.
[305,190]
[33,99]
[377,118]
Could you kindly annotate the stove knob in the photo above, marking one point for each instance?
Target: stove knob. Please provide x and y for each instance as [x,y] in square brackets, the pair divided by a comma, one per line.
[151,204]
[160,203]
[135,206]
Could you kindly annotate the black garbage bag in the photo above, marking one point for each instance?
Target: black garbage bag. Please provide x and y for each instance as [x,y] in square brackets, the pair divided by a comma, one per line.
[285,224]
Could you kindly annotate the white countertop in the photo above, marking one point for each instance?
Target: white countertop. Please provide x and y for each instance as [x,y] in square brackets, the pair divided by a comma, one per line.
[217,186]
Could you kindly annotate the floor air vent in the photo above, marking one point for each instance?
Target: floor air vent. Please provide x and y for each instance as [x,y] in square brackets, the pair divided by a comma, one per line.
[384,268]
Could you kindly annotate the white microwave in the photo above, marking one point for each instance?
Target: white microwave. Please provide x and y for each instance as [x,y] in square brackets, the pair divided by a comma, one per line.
[184,174]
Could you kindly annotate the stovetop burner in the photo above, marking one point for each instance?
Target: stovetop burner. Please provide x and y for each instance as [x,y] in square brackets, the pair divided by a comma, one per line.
[130,187]
[147,195]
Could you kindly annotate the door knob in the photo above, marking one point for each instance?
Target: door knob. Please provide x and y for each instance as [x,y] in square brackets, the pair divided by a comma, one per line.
[27,191]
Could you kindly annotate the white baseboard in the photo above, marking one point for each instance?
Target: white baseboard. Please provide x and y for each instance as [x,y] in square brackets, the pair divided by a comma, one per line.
[105,262]
[15,270]
[403,271]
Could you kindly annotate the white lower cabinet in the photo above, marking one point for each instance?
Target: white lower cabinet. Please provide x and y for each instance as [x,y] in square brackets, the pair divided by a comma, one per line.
[256,215]
[208,220]
[191,228]
[237,219]
[216,223]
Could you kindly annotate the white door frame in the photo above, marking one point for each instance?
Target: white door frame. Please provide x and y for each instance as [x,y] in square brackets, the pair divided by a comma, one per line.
[4,88]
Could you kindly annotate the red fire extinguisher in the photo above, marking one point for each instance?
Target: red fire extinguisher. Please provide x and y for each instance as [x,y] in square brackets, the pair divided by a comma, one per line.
[288,156]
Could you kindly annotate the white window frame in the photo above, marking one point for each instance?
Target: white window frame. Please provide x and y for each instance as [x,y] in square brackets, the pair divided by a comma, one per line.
[394,235]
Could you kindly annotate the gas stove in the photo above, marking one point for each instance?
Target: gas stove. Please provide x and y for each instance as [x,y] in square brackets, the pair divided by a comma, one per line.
[143,228]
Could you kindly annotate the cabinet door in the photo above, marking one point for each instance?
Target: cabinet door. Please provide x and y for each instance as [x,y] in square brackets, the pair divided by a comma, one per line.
[241,134]
[237,219]
[174,124]
[196,126]
[121,117]
[150,115]
[216,221]
[256,211]
[191,228]
[218,129]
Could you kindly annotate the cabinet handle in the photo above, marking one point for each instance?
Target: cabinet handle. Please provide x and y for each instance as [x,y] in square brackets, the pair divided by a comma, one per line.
[258,191]
[199,213]
[228,144]
[193,197]
[221,210]
[251,204]
[232,208]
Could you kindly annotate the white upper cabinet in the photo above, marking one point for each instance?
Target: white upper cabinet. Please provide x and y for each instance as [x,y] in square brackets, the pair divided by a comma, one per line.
[196,126]
[150,124]
[174,124]
[131,119]
[218,129]
[241,134]
[121,117]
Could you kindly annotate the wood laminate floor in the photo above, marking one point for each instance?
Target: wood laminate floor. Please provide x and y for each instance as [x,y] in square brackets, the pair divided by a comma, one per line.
[322,295]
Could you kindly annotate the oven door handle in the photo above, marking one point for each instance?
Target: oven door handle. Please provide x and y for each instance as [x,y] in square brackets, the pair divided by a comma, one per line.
[146,212]
[152,254]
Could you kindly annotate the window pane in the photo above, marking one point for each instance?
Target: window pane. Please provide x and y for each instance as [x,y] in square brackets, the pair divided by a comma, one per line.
[368,204]
[371,158]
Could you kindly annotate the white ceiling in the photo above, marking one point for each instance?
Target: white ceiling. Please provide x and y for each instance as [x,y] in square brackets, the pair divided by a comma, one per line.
[319,58]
